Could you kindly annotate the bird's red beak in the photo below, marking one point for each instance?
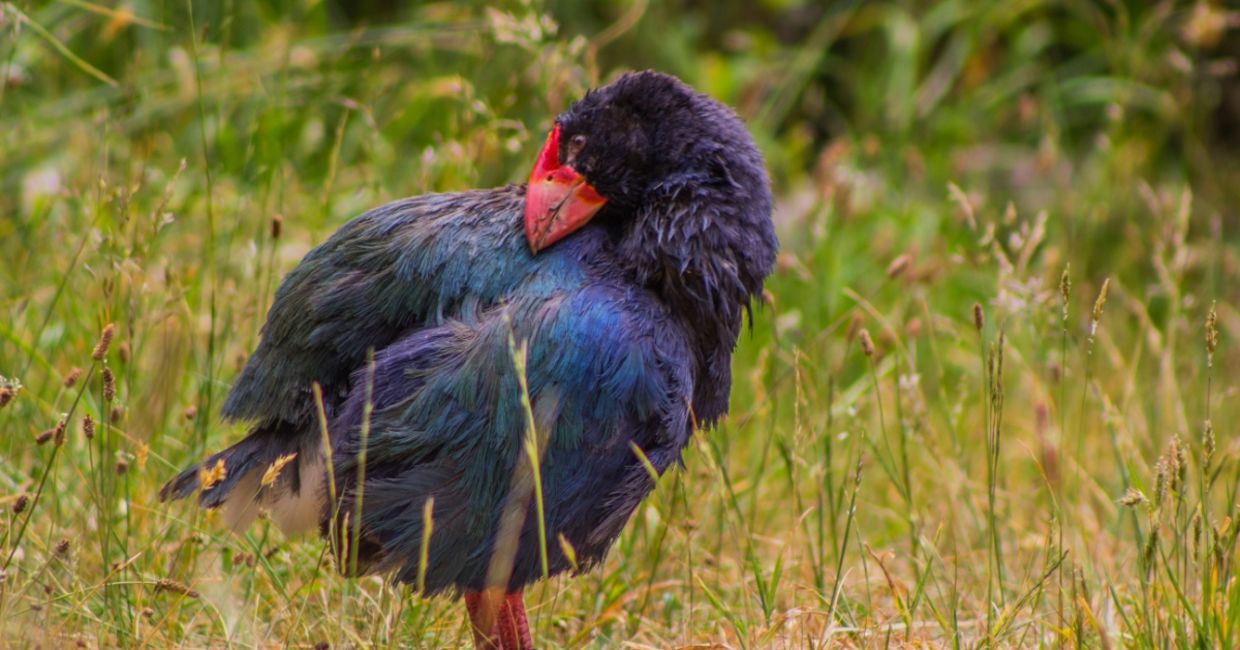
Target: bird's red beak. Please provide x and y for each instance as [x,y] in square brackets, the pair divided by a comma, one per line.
[558,199]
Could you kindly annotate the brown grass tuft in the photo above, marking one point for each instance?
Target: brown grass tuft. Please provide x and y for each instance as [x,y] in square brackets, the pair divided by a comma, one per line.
[105,340]
[72,377]
[169,585]
[867,343]
[109,385]
[898,266]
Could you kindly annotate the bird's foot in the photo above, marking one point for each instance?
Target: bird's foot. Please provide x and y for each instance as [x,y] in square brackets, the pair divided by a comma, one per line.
[498,620]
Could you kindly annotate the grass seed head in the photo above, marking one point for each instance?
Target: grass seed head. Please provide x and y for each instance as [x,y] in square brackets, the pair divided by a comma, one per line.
[979,317]
[1133,498]
[1207,441]
[867,343]
[58,433]
[62,547]
[277,225]
[44,436]
[1150,552]
[105,339]
[1096,314]
[72,377]
[20,503]
[208,477]
[88,426]
[123,352]
[1065,288]
[1211,333]
[169,585]
[273,471]
[9,388]
[1179,480]
[898,266]
[109,385]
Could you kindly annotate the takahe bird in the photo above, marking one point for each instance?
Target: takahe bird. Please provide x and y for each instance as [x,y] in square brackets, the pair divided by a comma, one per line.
[623,269]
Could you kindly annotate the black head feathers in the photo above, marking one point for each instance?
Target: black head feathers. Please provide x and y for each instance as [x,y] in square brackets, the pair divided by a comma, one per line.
[687,190]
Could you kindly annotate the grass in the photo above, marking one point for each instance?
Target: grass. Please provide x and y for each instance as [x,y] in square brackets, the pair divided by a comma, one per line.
[944,429]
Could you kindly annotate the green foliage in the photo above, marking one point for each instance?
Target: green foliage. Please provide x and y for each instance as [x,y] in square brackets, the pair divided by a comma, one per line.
[163,164]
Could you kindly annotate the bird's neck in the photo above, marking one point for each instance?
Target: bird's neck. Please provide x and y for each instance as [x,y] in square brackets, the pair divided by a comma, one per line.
[699,275]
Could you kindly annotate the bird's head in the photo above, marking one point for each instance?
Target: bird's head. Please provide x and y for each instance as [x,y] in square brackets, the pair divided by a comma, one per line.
[673,170]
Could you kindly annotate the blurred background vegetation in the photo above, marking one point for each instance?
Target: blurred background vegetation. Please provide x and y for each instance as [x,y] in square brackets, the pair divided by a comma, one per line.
[164,163]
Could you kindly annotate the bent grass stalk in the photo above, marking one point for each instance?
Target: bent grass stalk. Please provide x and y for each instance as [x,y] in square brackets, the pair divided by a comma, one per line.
[531,443]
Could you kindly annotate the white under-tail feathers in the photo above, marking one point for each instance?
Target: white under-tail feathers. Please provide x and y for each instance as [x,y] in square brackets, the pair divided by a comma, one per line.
[293,512]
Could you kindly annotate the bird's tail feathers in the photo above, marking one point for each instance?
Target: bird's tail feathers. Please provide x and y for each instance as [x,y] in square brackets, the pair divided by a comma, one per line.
[276,469]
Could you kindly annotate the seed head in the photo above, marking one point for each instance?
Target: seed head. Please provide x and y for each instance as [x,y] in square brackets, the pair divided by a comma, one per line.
[44,436]
[166,584]
[1151,546]
[122,351]
[1065,288]
[1181,465]
[1160,489]
[867,343]
[122,465]
[277,225]
[208,477]
[105,339]
[88,426]
[58,433]
[62,547]
[273,470]
[109,385]
[1211,334]
[191,412]
[19,504]
[72,377]
[116,414]
[1207,441]
[979,317]
[1096,314]
[1133,498]
[898,266]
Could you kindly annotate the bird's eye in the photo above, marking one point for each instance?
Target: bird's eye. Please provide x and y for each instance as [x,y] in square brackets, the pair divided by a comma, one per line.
[575,145]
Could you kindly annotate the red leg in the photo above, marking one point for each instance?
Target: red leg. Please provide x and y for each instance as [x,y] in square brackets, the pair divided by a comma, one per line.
[482,619]
[514,629]
[498,621]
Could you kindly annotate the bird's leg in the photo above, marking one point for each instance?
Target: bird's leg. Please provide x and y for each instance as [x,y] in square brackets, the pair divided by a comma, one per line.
[483,609]
[513,628]
[498,620]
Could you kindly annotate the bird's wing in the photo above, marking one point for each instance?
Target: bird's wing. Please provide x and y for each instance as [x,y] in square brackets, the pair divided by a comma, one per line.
[401,266]
[603,372]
